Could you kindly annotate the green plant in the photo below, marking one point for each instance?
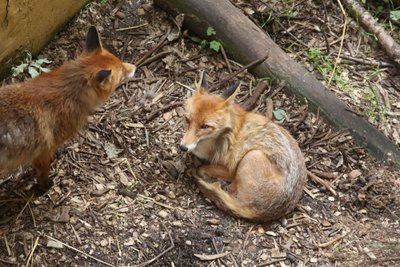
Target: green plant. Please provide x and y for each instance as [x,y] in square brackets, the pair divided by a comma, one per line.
[325,65]
[395,14]
[213,44]
[34,67]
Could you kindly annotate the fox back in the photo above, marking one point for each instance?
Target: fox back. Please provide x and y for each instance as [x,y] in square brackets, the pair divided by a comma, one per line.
[223,134]
[40,114]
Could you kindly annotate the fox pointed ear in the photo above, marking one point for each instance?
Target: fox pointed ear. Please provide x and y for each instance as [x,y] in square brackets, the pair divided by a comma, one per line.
[92,39]
[202,84]
[102,75]
[230,93]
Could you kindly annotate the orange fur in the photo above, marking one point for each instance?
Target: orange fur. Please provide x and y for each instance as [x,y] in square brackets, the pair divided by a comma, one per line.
[42,113]
[260,159]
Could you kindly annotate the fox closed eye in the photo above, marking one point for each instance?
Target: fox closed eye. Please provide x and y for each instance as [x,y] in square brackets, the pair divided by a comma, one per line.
[206,126]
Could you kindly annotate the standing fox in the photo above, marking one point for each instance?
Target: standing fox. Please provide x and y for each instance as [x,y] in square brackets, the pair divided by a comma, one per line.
[40,114]
[260,159]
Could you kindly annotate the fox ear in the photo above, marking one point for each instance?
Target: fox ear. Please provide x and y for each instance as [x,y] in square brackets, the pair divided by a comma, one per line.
[102,75]
[202,84]
[92,39]
[231,92]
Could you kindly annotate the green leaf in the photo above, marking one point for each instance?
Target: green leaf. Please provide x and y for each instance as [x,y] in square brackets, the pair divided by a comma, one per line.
[19,69]
[33,72]
[215,45]
[279,114]
[395,14]
[204,42]
[195,39]
[211,31]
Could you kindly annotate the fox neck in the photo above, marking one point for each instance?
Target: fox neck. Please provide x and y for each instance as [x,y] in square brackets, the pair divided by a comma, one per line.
[66,92]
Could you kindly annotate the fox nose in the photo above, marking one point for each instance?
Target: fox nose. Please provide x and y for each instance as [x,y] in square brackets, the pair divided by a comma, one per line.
[183,148]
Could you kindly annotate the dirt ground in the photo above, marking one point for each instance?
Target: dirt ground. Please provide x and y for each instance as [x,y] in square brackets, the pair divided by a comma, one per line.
[123,196]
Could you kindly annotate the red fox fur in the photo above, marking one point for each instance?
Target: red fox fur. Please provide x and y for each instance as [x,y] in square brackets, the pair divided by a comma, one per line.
[40,114]
[260,159]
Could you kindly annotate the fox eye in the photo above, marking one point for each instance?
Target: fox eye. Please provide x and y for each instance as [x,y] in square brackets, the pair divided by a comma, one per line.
[205,126]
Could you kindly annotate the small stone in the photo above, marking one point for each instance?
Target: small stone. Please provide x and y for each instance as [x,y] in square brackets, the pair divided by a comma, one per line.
[354,174]
[120,15]
[104,242]
[275,253]
[163,214]
[313,260]
[54,244]
[188,242]
[141,11]
[331,199]
[167,116]
[264,256]
[177,223]
[213,221]
[369,253]
[270,233]
[325,223]
[260,230]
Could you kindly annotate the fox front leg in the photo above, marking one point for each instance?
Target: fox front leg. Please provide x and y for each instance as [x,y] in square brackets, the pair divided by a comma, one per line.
[42,166]
[215,171]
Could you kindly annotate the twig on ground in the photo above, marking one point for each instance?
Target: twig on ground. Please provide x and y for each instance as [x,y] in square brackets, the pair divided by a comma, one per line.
[248,66]
[308,192]
[26,205]
[244,244]
[32,215]
[367,21]
[28,261]
[131,27]
[271,262]
[77,250]
[204,257]
[6,179]
[388,259]
[7,246]
[217,250]
[322,182]
[327,244]
[9,262]
[146,263]
[341,42]
[226,59]
[328,175]
[252,100]
[162,109]
[366,61]
[159,203]
[154,49]
[154,58]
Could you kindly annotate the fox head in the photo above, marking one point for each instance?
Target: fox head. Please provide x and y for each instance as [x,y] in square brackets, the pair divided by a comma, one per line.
[207,118]
[105,71]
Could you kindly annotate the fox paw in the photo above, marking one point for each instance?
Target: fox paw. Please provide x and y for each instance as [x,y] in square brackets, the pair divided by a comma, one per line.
[40,190]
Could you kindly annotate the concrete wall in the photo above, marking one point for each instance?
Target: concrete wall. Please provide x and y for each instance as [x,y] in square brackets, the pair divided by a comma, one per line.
[30,24]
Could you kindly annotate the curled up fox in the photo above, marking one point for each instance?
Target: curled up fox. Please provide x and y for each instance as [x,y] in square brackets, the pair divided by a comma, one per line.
[40,114]
[260,159]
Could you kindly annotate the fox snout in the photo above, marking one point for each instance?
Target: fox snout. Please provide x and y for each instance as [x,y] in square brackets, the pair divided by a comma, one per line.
[187,148]
[130,72]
